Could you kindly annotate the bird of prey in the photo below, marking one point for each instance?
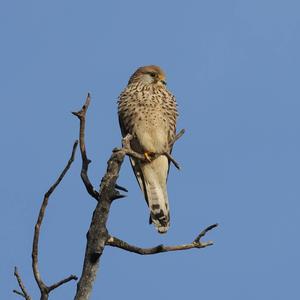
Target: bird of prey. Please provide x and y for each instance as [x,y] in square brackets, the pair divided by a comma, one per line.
[147,111]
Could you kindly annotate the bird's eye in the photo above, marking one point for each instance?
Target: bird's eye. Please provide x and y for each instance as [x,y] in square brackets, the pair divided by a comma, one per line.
[152,74]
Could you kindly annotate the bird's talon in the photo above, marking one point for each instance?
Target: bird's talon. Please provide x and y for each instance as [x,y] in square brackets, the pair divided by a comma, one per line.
[147,156]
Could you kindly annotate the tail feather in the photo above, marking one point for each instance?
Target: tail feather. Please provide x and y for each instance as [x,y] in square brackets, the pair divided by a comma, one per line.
[154,176]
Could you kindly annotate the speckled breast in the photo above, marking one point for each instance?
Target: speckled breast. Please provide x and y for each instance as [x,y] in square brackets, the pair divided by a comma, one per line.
[149,114]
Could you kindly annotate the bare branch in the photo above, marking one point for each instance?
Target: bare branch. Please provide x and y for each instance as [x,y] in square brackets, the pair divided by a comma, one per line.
[121,188]
[172,160]
[97,234]
[19,293]
[85,161]
[24,293]
[177,137]
[61,282]
[204,231]
[44,289]
[115,242]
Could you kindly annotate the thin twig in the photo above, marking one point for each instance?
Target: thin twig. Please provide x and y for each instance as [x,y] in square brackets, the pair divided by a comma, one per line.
[85,161]
[171,159]
[121,188]
[177,137]
[115,242]
[203,232]
[20,294]
[44,289]
[61,282]
[24,293]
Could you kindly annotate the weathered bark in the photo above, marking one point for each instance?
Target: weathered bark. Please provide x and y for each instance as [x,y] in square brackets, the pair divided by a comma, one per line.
[97,235]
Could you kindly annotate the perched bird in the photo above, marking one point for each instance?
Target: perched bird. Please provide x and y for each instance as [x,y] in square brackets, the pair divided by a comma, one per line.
[147,111]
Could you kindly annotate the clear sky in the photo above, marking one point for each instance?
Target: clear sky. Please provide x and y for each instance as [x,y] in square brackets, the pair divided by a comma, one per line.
[234,68]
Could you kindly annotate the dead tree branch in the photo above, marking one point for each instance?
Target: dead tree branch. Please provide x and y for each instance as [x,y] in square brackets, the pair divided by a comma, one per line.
[177,137]
[98,236]
[85,161]
[24,293]
[115,242]
[44,289]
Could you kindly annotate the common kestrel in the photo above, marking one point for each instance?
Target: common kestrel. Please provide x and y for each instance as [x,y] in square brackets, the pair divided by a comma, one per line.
[147,111]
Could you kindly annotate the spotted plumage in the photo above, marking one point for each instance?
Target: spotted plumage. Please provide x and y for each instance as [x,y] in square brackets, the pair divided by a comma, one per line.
[147,110]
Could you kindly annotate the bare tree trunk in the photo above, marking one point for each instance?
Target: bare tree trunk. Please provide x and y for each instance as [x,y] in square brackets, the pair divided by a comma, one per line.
[98,235]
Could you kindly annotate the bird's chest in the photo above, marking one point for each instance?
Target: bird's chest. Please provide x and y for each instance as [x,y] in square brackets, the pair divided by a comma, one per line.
[149,111]
[150,126]
[149,115]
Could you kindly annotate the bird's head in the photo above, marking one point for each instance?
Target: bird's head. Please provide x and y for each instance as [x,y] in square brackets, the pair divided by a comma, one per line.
[149,75]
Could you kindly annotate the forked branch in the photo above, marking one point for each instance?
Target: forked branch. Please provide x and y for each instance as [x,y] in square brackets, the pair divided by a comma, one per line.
[23,292]
[44,289]
[85,161]
[115,242]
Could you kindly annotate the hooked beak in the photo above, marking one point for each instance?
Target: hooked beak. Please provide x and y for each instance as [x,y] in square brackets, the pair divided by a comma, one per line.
[163,82]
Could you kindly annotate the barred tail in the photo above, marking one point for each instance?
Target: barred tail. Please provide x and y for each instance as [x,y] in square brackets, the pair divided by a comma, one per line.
[155,176]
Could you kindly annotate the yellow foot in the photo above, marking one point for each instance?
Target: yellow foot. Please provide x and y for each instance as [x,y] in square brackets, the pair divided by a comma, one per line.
[148,156]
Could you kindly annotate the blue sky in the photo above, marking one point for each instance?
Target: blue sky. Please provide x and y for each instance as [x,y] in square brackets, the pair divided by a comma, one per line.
[234,68]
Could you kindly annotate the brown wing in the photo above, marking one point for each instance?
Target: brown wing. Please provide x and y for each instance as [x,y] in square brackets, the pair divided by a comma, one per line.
[135,164]
[172,133]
